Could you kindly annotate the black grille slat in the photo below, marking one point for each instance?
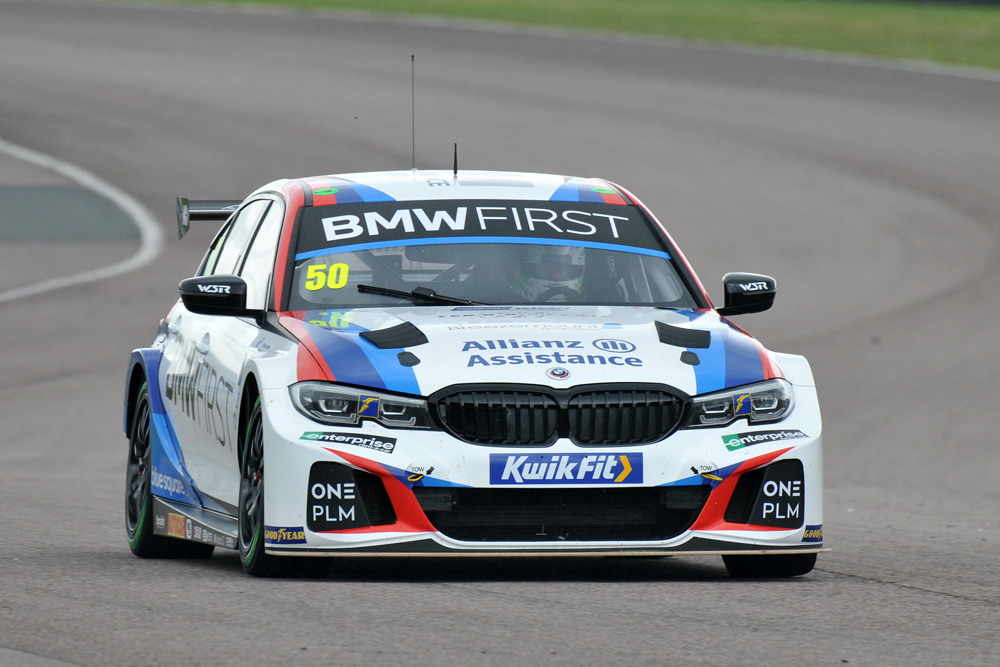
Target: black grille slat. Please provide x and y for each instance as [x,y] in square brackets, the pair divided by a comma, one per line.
[623,417]
[499,417]
[533,416]
[549,515]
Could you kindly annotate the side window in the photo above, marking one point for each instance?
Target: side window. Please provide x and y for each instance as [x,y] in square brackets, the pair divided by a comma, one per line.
[212,256]
[240,231]
[259,263]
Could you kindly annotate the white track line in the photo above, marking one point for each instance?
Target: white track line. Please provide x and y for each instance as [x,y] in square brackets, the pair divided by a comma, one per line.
[151,236]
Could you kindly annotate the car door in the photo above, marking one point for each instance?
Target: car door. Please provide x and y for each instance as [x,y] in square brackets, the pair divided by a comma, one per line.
[205,361]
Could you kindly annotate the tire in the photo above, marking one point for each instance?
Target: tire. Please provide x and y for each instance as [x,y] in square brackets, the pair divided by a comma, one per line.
[251,508]
[769,567]
[139,495]
[251,513]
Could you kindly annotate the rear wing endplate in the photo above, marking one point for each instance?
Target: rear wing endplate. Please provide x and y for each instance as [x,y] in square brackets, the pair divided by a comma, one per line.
[217,210]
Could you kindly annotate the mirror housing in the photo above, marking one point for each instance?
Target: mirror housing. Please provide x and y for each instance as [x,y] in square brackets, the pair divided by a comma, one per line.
[747,293]
[216,295]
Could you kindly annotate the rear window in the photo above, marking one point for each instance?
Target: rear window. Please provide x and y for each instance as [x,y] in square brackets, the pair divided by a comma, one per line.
[491,252]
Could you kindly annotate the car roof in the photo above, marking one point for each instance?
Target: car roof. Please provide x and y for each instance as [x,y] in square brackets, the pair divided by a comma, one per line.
[424,184]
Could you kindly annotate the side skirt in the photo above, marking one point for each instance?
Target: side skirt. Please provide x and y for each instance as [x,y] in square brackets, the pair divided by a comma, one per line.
[188,522]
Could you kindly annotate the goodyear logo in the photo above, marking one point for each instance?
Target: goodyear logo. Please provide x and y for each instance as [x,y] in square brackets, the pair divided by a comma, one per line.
[741,404]
[368,406]
[813,534]
[591,469]
[275,535]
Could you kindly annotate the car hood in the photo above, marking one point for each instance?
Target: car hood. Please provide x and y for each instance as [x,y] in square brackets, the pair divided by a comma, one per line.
[556,346]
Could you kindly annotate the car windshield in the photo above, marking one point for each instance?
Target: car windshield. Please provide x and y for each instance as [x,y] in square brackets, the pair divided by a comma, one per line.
[488,252]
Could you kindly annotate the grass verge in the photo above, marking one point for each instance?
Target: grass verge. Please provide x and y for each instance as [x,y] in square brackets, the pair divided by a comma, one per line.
[957,34]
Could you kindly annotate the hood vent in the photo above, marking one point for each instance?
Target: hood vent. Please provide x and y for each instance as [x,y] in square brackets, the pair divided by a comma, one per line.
[680,337]
[401,335]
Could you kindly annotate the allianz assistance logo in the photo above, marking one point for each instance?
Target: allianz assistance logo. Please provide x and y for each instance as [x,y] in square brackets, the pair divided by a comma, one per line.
[592,469]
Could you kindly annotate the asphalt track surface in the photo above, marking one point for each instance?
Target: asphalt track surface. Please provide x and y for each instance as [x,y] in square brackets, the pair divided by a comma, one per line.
[870,193]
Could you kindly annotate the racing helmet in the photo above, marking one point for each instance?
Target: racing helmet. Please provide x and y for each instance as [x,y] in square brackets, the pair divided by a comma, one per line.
[544,268]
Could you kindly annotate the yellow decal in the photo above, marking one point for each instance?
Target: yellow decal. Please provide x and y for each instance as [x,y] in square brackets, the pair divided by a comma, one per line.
[626,471]
[175,525]
[708,475]
[317,276]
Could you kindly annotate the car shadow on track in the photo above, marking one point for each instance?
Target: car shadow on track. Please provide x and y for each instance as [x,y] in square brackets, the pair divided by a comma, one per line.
[429,569]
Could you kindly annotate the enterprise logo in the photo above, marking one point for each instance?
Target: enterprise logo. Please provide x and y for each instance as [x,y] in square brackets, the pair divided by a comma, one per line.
[740,440]
[596,468]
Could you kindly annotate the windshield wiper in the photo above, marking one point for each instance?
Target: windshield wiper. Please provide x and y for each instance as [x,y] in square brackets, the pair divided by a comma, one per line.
[419,294]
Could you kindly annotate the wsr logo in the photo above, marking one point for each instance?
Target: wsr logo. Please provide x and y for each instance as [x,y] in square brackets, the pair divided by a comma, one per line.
[753,287]
[612,345]
[214,289]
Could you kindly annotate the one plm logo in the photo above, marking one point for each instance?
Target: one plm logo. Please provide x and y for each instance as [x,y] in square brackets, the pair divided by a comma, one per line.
[613,345]
[368,406]
[595,468]
[275,535]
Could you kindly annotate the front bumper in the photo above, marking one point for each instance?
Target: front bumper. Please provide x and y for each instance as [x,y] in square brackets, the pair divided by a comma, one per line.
[407,463]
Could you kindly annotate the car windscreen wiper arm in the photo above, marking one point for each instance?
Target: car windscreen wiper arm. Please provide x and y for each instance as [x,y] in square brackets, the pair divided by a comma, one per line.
[419,294]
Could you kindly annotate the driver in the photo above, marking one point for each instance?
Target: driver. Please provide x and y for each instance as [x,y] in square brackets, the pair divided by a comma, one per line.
[550,273]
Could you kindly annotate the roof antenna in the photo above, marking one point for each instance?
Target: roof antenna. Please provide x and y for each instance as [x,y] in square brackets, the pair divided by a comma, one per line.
[456,160]
[413,110]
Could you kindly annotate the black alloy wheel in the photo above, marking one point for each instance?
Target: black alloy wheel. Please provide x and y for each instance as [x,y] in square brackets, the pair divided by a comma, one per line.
[779,566]
[139,496]
[251,509]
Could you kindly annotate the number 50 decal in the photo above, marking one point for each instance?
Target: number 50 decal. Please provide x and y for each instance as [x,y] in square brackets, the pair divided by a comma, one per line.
[317,276]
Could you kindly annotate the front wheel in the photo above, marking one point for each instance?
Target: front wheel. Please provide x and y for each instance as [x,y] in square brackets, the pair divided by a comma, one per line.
[139,496]
[251,510]
[769,567]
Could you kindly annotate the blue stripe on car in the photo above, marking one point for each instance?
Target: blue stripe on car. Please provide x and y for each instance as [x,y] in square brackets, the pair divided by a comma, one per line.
[478,239]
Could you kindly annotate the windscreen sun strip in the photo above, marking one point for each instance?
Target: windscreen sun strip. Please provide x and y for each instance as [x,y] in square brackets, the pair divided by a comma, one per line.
[477,239]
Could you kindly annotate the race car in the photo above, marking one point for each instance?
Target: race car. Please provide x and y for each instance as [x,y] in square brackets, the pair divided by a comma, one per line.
[422,363]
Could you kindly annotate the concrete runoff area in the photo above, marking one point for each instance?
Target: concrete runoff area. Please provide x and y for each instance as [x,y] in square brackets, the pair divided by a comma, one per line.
[869,193]
[60,213]
[52,227]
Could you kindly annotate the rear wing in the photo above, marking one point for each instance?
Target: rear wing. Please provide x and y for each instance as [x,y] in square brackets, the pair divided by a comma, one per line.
[217,210]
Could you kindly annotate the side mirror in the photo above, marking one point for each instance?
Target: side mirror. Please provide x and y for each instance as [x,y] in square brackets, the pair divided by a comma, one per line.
[215,295]
[747,293]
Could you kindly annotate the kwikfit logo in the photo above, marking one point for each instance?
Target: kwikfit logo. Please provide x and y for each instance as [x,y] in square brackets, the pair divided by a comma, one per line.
[591,469]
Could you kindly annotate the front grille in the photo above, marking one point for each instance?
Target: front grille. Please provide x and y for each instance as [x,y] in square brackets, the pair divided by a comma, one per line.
[557,515]
[622,417]
[529,415]
[500,417]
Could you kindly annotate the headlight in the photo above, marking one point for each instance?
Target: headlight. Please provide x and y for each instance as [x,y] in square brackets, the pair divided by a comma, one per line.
[335,404]
[768,401]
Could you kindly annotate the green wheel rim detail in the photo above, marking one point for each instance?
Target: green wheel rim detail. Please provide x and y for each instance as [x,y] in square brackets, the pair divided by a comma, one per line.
[133,541]
[258,530]
[256,540]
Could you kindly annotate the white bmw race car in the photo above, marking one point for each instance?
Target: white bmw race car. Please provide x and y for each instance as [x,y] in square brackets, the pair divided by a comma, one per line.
[430,363]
